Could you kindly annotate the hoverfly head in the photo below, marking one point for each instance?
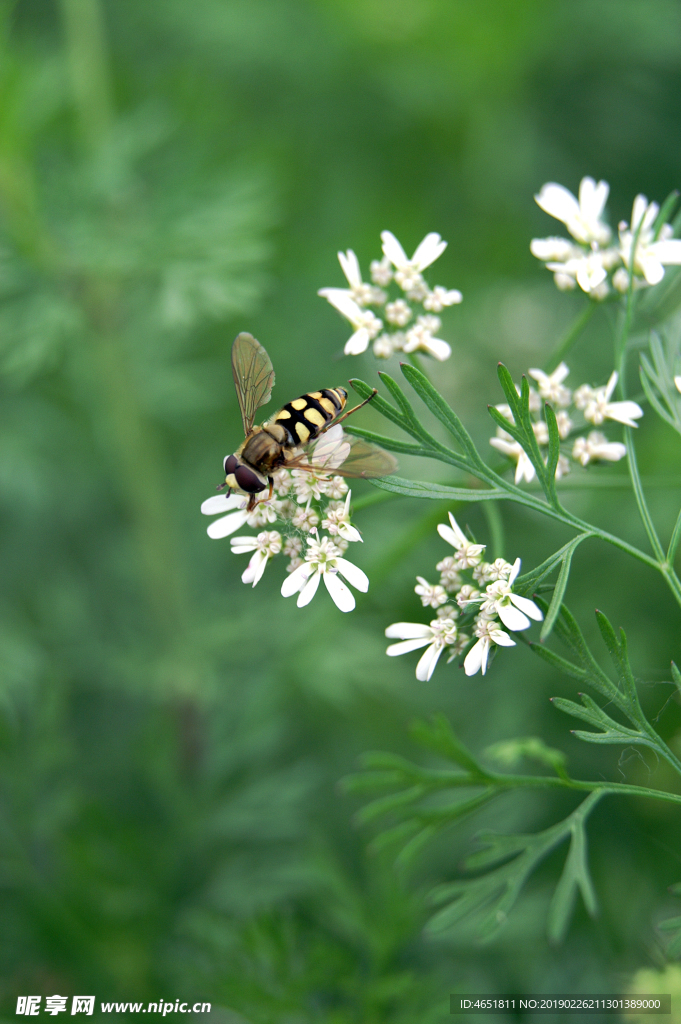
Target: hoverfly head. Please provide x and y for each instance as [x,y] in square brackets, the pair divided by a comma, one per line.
[240,477]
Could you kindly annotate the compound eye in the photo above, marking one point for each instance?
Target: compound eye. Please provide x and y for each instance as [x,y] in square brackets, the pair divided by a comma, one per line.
[248,481]
[231,462]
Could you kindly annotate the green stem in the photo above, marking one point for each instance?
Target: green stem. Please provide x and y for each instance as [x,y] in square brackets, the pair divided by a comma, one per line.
[570,337]
[643,509]
[415,361]
[89,68]
[494,780]
[621,342]
[495,524]
[674,542]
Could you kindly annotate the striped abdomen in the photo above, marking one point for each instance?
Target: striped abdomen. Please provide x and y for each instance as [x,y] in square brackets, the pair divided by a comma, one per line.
[304,417]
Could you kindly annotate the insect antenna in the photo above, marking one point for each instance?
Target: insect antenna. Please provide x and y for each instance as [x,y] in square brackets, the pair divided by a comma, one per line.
[350,411]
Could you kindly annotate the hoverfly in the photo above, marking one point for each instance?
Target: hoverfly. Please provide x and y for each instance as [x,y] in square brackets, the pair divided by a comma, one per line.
[288,438]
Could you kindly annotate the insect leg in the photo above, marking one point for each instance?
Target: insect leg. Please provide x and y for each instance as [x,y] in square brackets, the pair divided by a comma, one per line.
[350,411]
[259,501]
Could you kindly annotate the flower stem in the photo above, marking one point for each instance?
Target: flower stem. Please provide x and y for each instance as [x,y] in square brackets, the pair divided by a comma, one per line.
[415,361]
[83,22]
[571,336]
[674,542]
[491,512]
[637,486]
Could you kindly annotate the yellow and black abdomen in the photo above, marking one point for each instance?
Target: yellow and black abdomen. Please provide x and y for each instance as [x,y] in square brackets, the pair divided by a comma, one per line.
[304,417]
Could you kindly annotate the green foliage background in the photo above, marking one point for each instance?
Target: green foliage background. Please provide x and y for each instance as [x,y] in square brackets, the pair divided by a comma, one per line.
[171,173]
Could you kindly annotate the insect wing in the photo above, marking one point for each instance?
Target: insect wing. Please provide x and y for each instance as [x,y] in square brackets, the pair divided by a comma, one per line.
[366,460]
[341,453]
[253,377]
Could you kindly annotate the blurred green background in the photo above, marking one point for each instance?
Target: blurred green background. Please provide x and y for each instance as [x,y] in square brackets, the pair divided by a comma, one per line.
[173,172]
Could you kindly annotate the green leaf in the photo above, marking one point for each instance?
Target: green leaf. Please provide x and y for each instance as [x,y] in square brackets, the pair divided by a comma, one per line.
[401,399]
[510,752]
[394,836]
[379,403]
[672,925]
[369,782]
[389,443]
[440,737]
[528,581]
[439,492]
[590,712]
[618,653]
[575,877]
[676,676]
[562,664]
[446,415]
[554,441]
[665,212]
[509,389]
[488,899]
[558,592]
[516,432]
[522,431]
[385,804]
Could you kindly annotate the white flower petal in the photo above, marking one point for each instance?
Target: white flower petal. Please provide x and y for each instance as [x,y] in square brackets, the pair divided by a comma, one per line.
[501,638]
[309,590]
[457,529]
[341,595]
[409,631]
[353,574]
[475,657]
[228,524]
[528,607]
[342,300]
[512,617]
[408,645]
[257,565]
[653,271]
[667,251]
[524,470]
[296,580]
[515,569]
[357,343]
[448,535]
[350,267]
[393,250]
[349,532]
[438,348]
[427,662]
[593,197]
[553,249]
[428,250]
[222,503]
[557,201]
[624,412]
[242,544]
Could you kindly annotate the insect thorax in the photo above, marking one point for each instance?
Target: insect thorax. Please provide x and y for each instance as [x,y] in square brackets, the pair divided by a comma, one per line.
[263,449]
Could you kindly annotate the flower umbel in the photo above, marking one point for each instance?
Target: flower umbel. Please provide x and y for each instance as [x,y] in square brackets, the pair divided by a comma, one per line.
[486,611]
[439,634]
[644,248]
[323,560]
[409,290]
[264,546]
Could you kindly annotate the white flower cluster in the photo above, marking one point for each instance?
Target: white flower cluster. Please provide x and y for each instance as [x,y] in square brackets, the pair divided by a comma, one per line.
[304,501]
[595,407]
[484,598]
[403,328]
[643,247]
